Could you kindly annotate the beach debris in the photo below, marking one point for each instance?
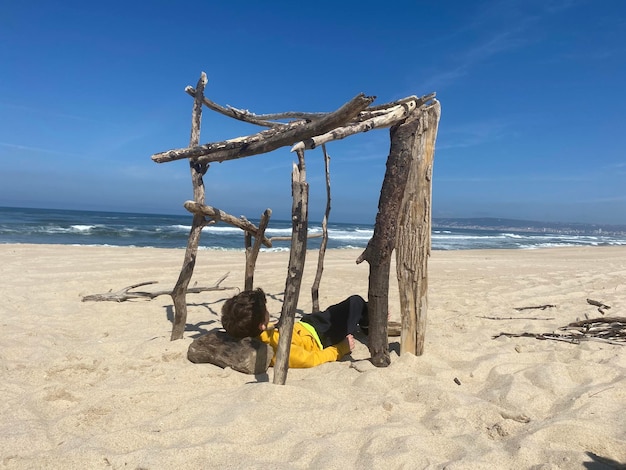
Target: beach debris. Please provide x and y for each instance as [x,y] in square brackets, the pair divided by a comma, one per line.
[538,307]
[126,294]
[601,307]
[457,381]
[515,318]
[520,418]
[610,330]
[362,366]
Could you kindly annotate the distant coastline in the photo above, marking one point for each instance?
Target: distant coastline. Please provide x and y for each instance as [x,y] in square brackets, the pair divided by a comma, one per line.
[528,226]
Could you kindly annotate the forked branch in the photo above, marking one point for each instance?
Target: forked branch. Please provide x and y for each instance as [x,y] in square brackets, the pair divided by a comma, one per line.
[125,294]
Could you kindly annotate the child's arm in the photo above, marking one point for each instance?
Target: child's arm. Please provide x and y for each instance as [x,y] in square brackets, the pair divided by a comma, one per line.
[301,358]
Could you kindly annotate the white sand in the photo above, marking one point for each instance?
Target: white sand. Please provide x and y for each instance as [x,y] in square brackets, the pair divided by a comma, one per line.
[90,385]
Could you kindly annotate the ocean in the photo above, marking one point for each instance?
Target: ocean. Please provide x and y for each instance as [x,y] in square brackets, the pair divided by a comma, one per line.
[69,227]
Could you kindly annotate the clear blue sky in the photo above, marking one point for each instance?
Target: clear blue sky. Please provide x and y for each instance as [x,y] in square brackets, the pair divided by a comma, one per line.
[533,96]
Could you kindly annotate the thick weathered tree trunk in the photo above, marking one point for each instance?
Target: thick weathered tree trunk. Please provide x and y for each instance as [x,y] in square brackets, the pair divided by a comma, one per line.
[414,232]
[179,293]
[297,256]
[381,245]
[315,294]
[252,251]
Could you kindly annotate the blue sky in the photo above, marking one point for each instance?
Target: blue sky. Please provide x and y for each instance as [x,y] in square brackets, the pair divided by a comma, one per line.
[533,96]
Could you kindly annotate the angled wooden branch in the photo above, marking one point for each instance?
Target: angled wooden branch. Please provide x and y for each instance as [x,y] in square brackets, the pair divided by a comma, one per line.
[125,294]
[267,140]
[241,115]
[378,117]
[217,214]
[394,115]
[266,120]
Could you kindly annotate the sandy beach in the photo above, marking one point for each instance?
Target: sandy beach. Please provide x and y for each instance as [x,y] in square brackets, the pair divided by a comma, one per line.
[100,385]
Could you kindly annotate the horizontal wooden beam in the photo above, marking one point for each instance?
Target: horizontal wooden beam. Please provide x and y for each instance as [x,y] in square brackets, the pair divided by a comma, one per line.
[268,140]
[393,116]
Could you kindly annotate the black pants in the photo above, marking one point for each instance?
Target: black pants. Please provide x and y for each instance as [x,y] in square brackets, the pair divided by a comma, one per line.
[339,320]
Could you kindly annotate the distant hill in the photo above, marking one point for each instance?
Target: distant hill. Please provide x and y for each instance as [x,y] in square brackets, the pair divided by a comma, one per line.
[494,223]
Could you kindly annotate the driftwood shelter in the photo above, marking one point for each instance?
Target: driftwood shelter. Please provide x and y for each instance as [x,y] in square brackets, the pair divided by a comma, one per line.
[403,221]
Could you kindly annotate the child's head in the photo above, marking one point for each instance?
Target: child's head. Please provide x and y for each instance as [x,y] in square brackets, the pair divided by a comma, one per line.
[245,314]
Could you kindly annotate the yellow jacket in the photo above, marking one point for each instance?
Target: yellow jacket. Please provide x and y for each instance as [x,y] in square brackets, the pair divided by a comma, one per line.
[305,351]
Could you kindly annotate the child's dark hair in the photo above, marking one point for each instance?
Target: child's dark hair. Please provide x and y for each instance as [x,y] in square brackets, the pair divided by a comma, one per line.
[243,313]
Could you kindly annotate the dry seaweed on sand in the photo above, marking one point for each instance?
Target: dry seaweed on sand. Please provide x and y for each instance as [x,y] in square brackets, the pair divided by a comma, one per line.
[610,330]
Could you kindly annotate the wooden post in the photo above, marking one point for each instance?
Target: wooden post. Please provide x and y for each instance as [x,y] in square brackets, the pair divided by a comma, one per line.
[297,256]
[381,245]
[320,259]
[179,293]
[252,252]
[414,231]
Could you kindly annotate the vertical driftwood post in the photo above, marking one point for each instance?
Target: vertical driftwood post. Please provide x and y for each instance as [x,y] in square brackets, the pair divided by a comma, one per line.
[179,293]
[414,232]
[320,260]
[381,245]
[252,251]
[297,256]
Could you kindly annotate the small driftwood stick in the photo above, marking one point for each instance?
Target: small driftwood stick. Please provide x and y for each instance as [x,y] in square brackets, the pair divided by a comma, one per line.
[515,318]
[538,307]
[601,307]
[124,294]
[598,304]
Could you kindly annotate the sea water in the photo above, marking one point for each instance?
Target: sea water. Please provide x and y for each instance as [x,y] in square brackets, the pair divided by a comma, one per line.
[70,227]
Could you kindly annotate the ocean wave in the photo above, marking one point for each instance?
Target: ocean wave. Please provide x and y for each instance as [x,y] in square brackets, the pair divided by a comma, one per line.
[162,231]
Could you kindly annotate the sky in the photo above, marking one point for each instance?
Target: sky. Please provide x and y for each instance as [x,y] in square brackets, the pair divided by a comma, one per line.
[533,98]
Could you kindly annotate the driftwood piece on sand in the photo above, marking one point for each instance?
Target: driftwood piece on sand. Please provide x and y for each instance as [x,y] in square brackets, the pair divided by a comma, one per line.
[125,294]
[537,307]
[610,330]
[247,355]
[515,318]
[601,307]
[598,304]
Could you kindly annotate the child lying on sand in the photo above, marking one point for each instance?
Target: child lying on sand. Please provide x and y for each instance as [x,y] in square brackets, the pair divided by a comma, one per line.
[317,337]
